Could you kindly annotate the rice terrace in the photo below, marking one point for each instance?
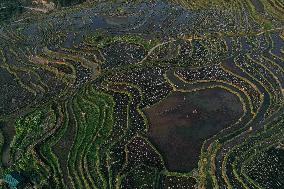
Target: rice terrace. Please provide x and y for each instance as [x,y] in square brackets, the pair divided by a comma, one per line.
[142,94]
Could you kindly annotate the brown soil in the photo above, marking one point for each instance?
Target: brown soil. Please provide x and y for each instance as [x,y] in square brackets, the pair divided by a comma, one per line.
[62,148]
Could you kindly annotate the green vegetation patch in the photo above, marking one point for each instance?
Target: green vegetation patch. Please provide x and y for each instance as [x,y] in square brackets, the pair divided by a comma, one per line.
[102,40]
[28,123]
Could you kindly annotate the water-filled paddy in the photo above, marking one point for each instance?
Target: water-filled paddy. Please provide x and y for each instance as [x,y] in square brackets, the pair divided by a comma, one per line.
[180,123]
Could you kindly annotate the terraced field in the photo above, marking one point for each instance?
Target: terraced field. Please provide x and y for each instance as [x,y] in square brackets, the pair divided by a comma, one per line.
[162,94]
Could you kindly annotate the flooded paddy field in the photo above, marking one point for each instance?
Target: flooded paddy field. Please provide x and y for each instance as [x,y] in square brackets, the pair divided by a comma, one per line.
[142,94]
[183,121]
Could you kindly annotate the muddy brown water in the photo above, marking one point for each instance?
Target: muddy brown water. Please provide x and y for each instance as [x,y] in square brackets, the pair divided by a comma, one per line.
[8,131]
[179,124]
[258,6]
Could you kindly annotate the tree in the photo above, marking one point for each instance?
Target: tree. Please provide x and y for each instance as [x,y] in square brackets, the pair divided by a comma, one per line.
[9,9]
